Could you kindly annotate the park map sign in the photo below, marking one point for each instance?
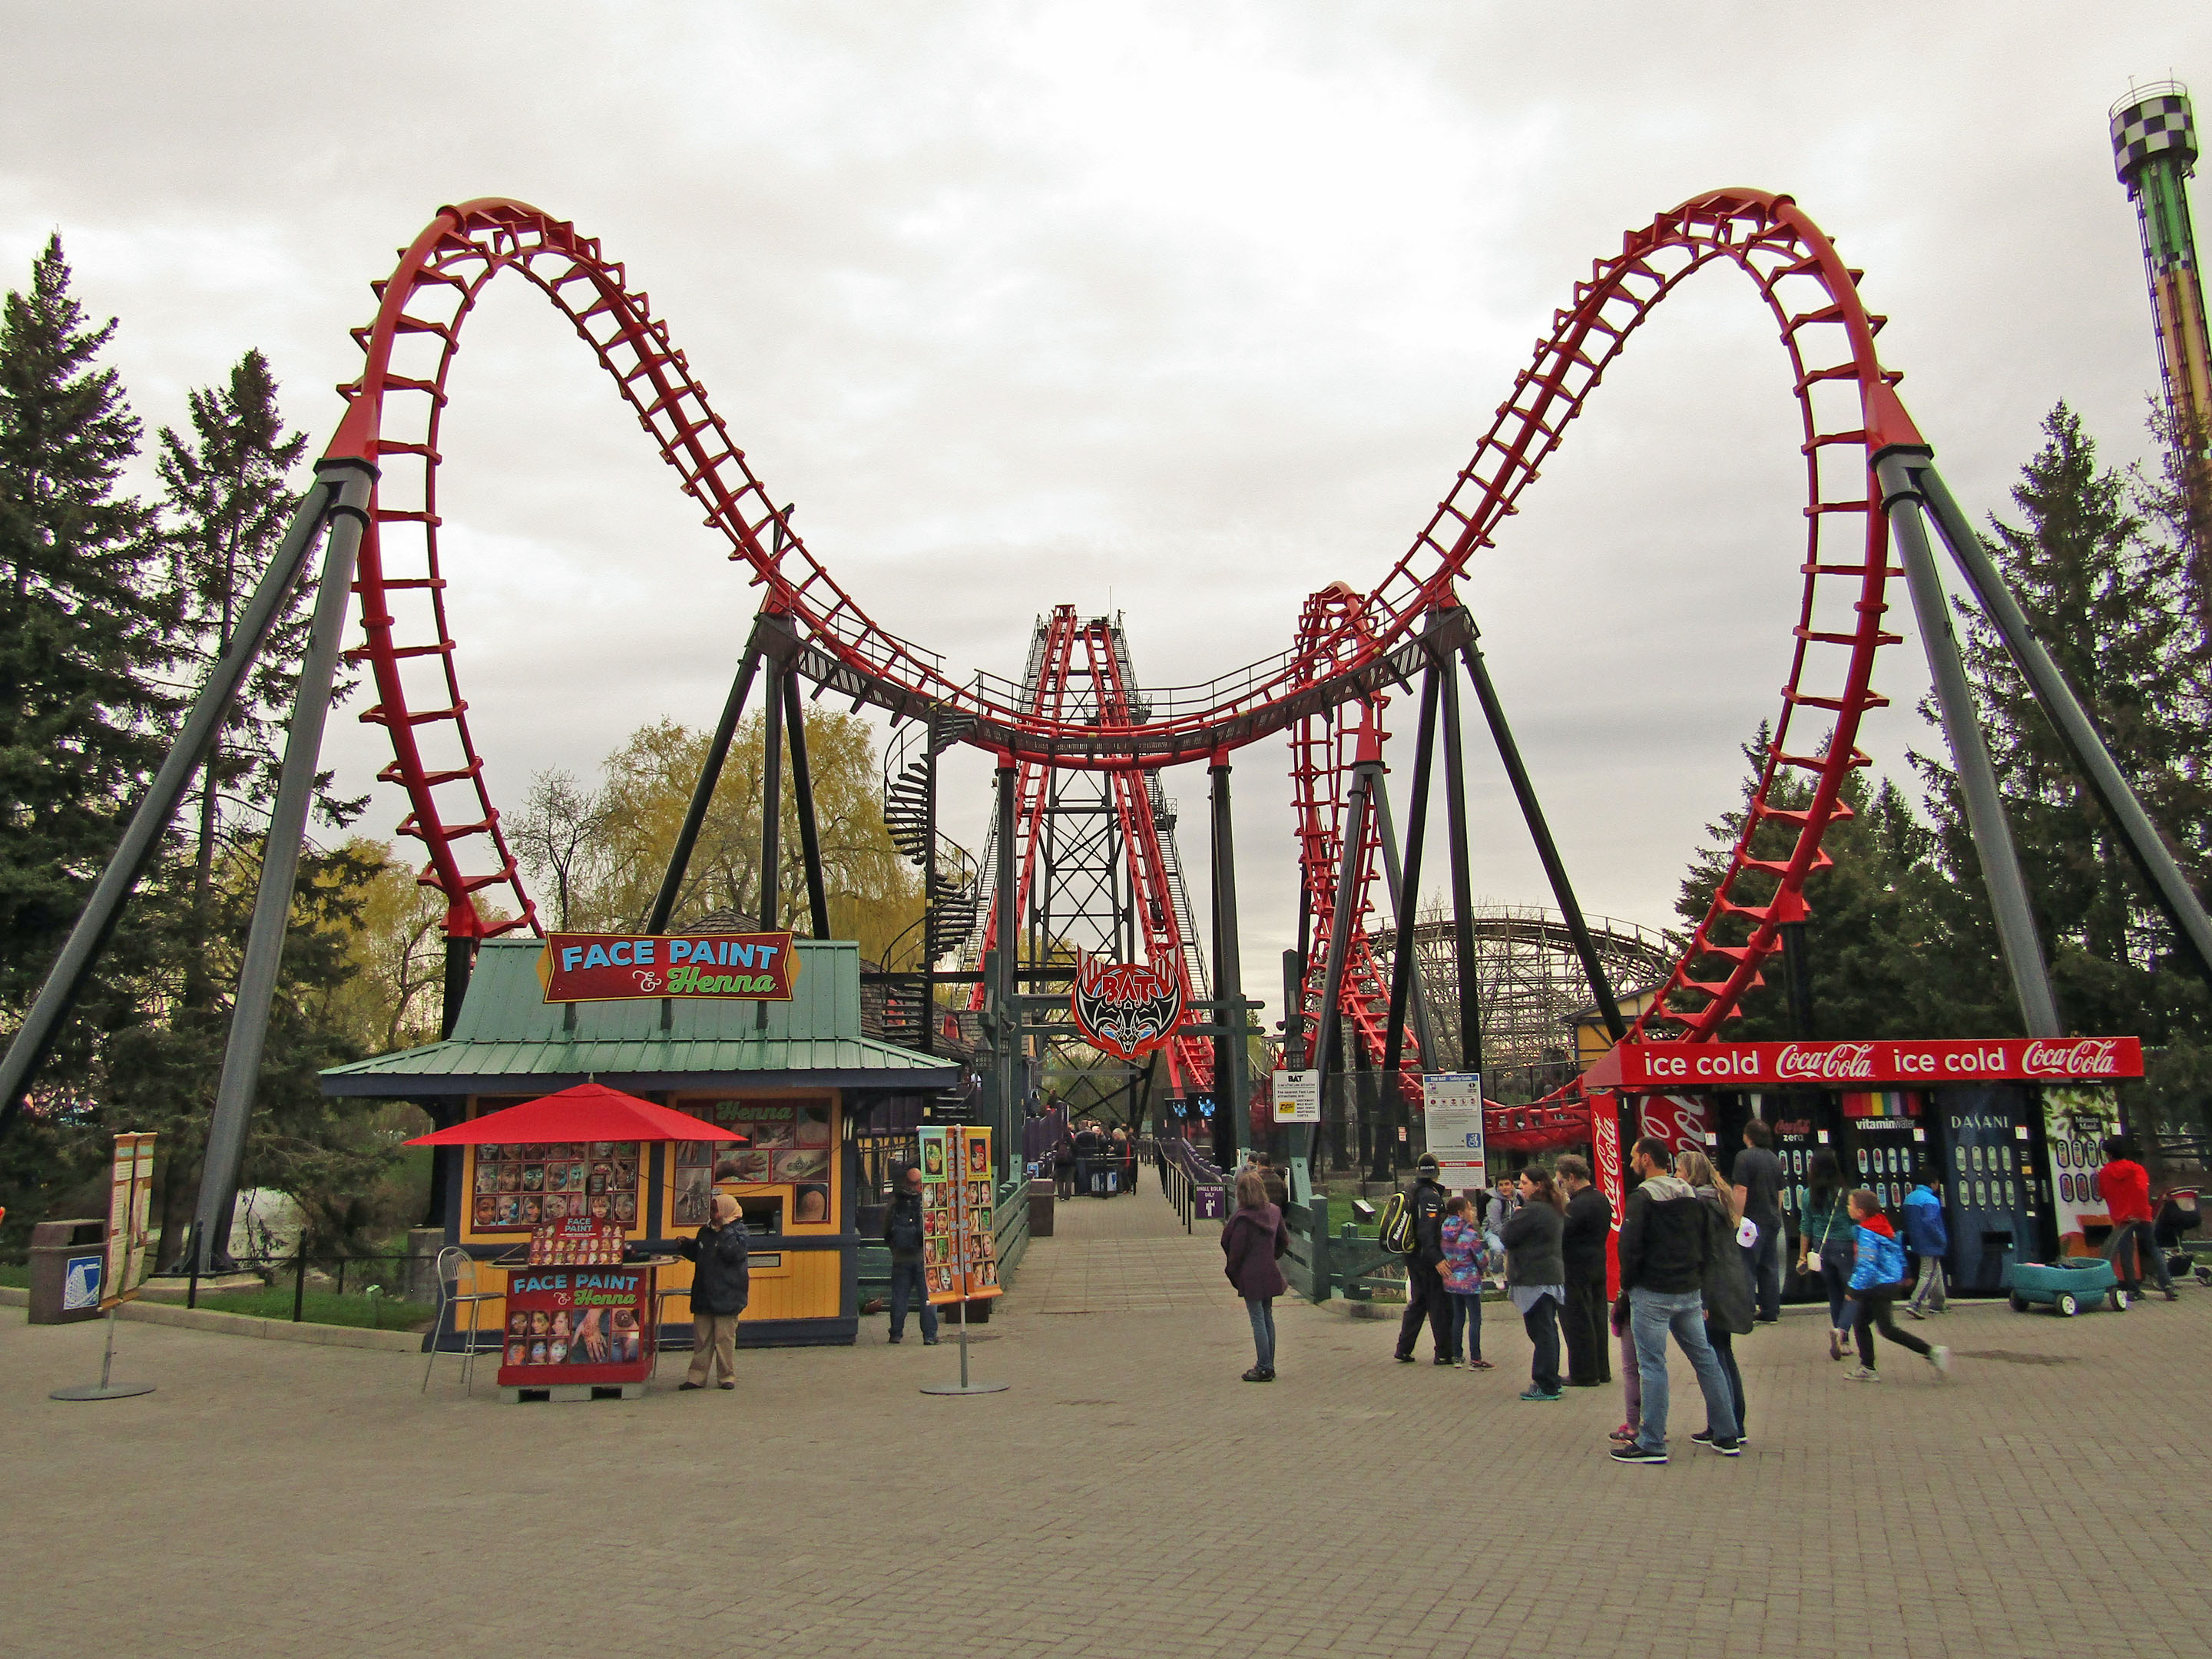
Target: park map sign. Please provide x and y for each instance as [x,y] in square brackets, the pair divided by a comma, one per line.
[682,967]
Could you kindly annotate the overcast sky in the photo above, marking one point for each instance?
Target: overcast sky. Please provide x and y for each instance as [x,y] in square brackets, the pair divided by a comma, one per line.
[1181,310]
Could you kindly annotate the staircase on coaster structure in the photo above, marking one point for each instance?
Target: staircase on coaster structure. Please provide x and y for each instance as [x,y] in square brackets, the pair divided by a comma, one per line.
[1096,865]
[1323,749]
[950,877]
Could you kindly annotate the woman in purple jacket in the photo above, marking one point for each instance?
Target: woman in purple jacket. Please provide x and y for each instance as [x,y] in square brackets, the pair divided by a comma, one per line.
[1253,1237]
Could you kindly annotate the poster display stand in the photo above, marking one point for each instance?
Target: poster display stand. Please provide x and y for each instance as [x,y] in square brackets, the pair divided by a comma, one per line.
[959,1258]
[579,1316]
[130,1198]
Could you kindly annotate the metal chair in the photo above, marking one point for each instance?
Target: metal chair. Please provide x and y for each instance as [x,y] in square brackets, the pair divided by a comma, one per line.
[451,1260]
[660,1298]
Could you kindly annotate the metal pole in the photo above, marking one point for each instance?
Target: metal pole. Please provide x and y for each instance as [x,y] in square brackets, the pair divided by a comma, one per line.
[349,480]
[771,873]
[2091,759]
[802,787]
[929,886]
[1977,779]
[1417,823]
[1540,832]
[460,962]
[280,868]
[1228,970]
[1470,1014]
[702,797]
[1006,990]
[1341,920]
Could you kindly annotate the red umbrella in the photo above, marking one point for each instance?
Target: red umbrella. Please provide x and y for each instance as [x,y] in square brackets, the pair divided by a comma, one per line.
[590,1111]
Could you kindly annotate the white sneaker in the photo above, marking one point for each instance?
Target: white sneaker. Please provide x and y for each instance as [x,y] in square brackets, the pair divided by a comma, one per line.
[1940,1357]
[1863,1374]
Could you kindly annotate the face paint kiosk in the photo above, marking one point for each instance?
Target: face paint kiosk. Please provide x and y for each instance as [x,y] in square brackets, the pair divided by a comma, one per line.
[794,1082]
[2006,1128]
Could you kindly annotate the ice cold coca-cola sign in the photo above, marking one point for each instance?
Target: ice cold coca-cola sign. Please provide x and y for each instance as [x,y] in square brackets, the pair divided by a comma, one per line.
[1867,1065]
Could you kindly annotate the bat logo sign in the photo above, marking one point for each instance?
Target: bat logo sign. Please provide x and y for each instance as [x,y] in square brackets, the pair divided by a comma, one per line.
[1124,1010]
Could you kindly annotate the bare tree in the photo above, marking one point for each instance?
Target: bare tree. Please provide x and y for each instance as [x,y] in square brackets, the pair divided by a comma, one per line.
[557,838]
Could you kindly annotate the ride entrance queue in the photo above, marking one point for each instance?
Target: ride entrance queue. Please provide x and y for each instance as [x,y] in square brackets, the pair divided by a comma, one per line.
[2008,1129]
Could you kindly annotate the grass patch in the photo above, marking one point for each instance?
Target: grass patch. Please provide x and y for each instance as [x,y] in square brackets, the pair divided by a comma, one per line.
[17,1277]
[323,1308]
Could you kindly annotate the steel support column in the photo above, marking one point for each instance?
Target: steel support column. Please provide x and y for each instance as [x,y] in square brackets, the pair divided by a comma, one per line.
[1901,502]
[1341,919]
[710,776]
[272,901]
[1470,1014]
[2168,886]
[771,873]
[802,788]
[1006,1056]
[1232,1092]
[1417,821]
[337,483]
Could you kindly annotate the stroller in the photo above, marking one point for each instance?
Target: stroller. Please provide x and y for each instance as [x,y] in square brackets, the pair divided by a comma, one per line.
[2180,1214]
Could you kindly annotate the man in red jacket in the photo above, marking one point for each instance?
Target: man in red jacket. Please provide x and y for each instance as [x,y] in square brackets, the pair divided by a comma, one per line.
[2125,1185]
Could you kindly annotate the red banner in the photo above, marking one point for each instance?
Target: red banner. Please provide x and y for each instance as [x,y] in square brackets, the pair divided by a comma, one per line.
[1928,1062]
[635,967]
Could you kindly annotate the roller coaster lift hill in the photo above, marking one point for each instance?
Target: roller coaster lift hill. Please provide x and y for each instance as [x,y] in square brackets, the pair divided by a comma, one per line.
[1871,489]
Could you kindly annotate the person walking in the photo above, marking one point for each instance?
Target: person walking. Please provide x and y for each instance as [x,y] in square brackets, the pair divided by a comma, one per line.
[2125,1185]
[1251,1242]
[1930,1240]
[721,1285]
[1876,1279]
[1824,1247]
[1582,1247]
[1727,1289]
[1425,1290]
[902,1231]
[1758,1178]
[1278,1190]
[1461,1273]
[1536,1278]
[1663,1248]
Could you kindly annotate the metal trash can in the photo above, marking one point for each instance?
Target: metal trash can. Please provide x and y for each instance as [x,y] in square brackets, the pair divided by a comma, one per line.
[67,1260]
[1040,1195]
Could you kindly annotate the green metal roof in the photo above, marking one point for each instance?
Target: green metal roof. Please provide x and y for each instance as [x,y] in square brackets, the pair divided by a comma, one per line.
[509,1038]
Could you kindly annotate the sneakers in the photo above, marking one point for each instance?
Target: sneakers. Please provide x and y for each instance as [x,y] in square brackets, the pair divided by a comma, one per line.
[1940,1357]
[1633,1453]
[1255,1375]
[1403,1358]
[1863,1374]
[894,1340]
[686,1388]
[1445,1359]
[1726,1448]
[1913,1312]
[1624,1434]
[1480,1366]
[928,1341]
[1835,1343]
[1540,1394]
[726,1383]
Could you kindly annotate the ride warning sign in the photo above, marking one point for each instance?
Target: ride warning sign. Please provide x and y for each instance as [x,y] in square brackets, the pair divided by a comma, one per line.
[634,967]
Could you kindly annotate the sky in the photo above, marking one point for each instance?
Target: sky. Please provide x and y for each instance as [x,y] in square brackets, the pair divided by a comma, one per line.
[1175,311]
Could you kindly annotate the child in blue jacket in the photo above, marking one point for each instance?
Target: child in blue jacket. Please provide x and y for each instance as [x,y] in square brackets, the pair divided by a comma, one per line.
[1876,1279]
[1930,1241]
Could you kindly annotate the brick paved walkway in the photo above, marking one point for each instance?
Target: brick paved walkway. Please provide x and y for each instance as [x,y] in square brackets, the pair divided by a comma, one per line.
[1126,1496]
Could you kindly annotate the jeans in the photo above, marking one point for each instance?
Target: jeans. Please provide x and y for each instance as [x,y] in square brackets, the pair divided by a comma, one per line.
[1763,1263]
[2143,1238]
[1542,1323]
[1425,1300]
[1631,1379]
[1465,1315]
[1652,1314]
[1589,1362]
[1836,1279]
[1927,1287]
[909,1281]
[1261,1311]
[1874,1306]
[1722,1341]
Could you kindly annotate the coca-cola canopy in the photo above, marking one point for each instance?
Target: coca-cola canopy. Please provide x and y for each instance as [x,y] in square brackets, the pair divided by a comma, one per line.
[1930,1063]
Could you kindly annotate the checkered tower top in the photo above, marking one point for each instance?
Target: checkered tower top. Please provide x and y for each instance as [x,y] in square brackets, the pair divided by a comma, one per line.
[2153,124]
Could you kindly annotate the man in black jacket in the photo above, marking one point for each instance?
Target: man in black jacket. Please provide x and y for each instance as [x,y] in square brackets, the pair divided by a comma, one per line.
[902,1231]
[721,1285]
[1589,1222]
[1664,1241]
[1424,1290]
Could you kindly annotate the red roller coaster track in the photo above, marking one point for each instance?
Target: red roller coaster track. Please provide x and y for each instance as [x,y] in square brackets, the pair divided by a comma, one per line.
[1849,412]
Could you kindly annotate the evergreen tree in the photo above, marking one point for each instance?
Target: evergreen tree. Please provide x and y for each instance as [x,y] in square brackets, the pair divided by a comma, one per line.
[81,644]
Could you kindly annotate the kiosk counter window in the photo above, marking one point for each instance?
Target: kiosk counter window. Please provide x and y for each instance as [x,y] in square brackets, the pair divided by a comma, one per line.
[788,1181]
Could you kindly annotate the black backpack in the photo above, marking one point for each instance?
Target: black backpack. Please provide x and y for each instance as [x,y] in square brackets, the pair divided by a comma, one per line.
[906,1227]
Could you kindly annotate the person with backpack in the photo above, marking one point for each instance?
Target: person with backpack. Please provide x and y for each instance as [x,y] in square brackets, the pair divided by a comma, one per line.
[902,1231]
[1824,1245]
[1462,1272]
[1930,1241]
[1252,1242]
[1415,1229]
[1728,1282]
[1536,1278]
[1664,1250]
[1875,1281]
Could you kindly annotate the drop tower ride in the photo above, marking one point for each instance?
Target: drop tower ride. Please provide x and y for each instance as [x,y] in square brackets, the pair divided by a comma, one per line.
[2154,151]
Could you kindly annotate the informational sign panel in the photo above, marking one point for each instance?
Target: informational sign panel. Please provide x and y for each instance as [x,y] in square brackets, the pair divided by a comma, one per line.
[1452,1104]
[130,1197]
[576,1325]
[958,1239]
[1124,1010]
[1297,1097]
[2075,1122]
[639,967]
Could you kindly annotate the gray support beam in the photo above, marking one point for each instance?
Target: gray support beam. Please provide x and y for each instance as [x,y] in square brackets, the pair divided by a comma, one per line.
[1007,1058]
[347,482]
[710,774]
[1232,1093]
[1977,783]
[802,789]
[280,869]
[2168,886]
[1470,1009]
[1341,919]
[1405,898]
[771,872]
